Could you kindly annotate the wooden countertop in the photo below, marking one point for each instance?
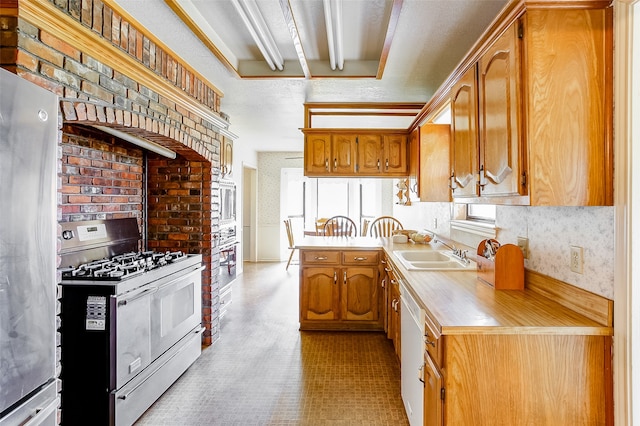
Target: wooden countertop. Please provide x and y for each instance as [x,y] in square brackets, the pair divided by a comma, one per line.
[456,302]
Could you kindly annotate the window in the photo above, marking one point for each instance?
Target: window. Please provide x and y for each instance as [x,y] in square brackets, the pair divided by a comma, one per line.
[481,212]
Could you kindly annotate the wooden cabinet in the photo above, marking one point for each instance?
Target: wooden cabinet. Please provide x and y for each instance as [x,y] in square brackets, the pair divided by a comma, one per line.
[339,289]
[395,155]
[327,154]
[355,153]
[464,128]
[226,157]
[532,113]
[502,164]
[392,306]
[434,157]
[514,378]
[517,379]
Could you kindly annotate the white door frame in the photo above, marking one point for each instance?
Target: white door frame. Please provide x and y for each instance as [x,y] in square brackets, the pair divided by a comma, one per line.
[249,213]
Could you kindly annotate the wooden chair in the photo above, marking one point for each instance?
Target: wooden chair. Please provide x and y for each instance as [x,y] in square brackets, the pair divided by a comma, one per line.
[384,226]
[292,246]
[365,227]
[340,226]
[320,225]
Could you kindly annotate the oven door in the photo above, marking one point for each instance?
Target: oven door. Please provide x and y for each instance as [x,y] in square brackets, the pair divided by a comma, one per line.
[131,325]
[175,309]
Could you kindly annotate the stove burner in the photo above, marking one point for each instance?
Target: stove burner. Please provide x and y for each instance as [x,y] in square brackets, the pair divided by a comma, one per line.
[122,266]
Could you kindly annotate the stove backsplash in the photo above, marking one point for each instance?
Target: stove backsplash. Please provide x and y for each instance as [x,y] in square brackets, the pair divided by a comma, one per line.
[174,202]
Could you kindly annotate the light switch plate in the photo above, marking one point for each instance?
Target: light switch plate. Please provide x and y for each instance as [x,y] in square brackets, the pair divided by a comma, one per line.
[523,243]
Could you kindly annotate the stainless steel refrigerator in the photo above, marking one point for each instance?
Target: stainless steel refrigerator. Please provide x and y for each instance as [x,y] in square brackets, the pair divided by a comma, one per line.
[28,169]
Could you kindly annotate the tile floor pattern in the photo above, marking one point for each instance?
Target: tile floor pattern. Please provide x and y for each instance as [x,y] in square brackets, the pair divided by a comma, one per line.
[264,371]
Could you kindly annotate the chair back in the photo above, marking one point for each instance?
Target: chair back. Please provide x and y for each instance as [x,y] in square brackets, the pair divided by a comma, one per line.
[384,226]
[365,227]
[287,225]
[320,225]
[340,226]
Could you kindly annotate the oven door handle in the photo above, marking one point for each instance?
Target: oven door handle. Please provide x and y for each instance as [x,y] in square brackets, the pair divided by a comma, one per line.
[180,278]
[145,292]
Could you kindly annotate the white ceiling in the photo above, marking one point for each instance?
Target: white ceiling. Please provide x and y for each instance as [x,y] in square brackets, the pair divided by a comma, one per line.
[430,39]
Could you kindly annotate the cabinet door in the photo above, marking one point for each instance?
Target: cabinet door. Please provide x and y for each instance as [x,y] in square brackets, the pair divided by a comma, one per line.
[227,157]
[369,154]
[360,294]
[501,161]
[317,151]
[414,156]
[432,394]
[395,154]
[319,294]
[465,135]
[343,157]
[435,145]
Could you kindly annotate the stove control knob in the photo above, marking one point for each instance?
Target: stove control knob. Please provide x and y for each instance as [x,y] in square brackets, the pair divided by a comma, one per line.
[67,234]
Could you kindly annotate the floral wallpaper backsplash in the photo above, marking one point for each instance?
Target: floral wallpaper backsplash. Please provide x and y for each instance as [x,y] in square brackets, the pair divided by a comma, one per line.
[553,230]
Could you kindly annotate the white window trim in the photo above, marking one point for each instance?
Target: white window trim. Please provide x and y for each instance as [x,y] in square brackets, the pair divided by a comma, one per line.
[485,230]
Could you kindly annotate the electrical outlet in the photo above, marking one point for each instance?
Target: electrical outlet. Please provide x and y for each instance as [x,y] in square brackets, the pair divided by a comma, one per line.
[523,244]
[435,223]
[577,261]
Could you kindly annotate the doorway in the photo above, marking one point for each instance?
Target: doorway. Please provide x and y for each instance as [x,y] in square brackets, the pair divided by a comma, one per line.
[249,214]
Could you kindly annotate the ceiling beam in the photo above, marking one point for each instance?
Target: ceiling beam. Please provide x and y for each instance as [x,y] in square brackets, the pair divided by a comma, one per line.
[295,36]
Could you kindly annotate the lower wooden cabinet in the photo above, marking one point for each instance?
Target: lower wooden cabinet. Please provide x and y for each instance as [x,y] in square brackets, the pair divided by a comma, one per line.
[340,289]
[391,287]
[517,379]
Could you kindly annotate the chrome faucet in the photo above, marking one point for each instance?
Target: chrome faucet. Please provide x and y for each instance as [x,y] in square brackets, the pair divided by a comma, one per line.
[458,253]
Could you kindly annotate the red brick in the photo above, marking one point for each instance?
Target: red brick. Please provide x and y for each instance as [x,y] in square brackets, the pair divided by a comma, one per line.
[79,199]
[59,45]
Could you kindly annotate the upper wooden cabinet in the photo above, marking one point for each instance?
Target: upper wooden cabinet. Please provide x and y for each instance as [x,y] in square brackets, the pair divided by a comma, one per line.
[327,154]
[433,182]
[355,153]
[532,112]
[502,166]
[464,128]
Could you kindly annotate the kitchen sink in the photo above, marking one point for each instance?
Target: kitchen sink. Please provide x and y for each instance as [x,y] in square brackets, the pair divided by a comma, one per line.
[432,260]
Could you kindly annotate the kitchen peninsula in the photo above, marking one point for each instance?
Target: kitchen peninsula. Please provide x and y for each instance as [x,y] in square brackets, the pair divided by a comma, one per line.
[538,356]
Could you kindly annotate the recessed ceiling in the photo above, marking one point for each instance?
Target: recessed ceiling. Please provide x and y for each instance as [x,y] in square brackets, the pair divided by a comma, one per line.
[429,40]
[295,38]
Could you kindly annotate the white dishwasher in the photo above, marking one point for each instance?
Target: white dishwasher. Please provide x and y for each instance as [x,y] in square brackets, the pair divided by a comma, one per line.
[412,357]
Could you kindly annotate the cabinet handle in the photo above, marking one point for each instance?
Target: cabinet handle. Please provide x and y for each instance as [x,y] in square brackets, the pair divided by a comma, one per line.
[452,184]
[429,342]
[378,164]
[387,164]
[326,164]
[421,373]
[360,259]
[384,262]
[335,277]
[387,269]
[345,278]
[320,258]
[394,281]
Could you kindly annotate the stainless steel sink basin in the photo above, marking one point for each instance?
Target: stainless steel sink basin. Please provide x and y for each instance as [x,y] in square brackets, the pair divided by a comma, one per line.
[432,260]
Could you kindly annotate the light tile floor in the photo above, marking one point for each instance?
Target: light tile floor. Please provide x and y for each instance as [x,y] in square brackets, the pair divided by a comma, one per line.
[264,371]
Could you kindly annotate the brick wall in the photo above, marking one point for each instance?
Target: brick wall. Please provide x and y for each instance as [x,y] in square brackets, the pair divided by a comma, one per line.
[101,178]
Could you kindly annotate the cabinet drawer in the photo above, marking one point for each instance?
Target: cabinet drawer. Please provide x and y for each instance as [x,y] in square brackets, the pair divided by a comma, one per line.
[360,257]
[320,257]
[433,341]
